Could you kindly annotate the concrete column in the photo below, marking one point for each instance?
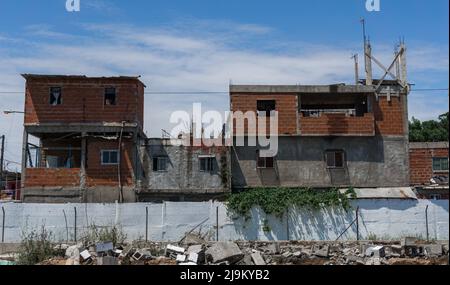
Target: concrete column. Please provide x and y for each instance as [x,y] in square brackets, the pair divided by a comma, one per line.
[83,167]
[24,161]
[368,63]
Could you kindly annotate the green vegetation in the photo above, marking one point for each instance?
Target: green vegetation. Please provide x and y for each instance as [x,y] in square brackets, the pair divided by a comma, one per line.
[95,234]
[36,247]
[429,131]
[275,201]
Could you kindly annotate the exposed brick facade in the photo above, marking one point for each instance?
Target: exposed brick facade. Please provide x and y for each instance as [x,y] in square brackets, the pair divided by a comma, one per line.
[286,105]
[389,116]
[421,164]
[47,177]
[338,124]
[83,100]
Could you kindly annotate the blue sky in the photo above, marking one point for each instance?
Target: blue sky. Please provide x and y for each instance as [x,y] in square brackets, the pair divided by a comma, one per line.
[203,45]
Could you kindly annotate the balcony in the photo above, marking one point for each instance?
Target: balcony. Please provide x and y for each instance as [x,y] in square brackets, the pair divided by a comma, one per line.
[336,123]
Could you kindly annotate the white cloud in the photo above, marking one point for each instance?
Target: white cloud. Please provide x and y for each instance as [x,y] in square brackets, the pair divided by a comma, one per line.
[193,56]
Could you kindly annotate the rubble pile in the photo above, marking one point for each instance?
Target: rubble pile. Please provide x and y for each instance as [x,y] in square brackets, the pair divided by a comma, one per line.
[200,252]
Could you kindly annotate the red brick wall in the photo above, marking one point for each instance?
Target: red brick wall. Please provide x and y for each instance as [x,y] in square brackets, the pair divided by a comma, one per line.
[107,175]
[421,164]
[337,124]
[83,101]
[46,177]
[286,105]
[389,116]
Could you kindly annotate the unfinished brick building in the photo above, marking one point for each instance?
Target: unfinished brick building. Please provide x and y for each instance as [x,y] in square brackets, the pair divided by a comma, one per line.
[429,169]
[86,131]
[328,135]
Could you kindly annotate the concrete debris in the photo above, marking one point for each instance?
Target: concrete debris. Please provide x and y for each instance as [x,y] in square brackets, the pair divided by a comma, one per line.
[224,251]
[104,247]
[258,259]
[255,253]
[408,241]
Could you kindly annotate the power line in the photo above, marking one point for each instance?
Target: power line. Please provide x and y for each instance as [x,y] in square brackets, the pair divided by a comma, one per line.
[220,92]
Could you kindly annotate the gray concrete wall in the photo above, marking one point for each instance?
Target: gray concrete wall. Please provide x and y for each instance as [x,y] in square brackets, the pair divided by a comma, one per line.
[371,162]
[169,221]
[183,175]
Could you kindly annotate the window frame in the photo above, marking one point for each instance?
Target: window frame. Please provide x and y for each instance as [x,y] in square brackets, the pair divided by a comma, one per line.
[158,161]
[441,158]
[335,152]
[109,151]
[265,159]
[105,93]
[268,113]
[209,164]
[51,95]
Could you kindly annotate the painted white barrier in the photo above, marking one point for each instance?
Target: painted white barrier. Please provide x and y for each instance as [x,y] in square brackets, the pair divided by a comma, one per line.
[385,219]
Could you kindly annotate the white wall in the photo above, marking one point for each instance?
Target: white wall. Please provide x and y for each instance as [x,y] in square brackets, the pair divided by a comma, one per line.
[387,219]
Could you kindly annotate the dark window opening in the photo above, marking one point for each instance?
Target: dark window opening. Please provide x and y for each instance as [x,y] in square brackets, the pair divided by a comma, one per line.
[335,159]
[440,163]
[159,164]
[110,157]
[207,164]
[265,107]
[264,162]
[55,96]
[110,96]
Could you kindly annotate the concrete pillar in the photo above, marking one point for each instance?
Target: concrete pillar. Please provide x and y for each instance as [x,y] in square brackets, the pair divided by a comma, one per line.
[368,63]
[83,167]
[24,162]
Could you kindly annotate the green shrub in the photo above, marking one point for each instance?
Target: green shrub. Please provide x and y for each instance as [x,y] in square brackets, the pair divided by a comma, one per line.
[95,234]
[35,247]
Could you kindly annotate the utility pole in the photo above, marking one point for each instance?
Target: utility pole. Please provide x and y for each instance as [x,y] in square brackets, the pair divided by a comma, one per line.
[2,158]
[355,57]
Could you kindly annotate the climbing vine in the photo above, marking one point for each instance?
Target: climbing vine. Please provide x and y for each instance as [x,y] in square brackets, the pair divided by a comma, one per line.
[275,201]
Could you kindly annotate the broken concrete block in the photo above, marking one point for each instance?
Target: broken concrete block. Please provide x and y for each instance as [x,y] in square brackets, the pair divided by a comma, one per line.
[174,249]
[85,254]
[137,256]
[181,258]
[434,250]
[188,263]
[73,252]
[193,257]
[323,251]
[273,248]
[375,251]
[408,241]
[258,259]
[104,247]
[224,251]
[107,260]
[297,254]
[287,254]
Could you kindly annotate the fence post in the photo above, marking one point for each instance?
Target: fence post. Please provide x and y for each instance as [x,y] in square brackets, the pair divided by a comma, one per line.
[146,224]
[217,223]
[3,224]
[75,224]
[357,223]
[426,221]
[67,226]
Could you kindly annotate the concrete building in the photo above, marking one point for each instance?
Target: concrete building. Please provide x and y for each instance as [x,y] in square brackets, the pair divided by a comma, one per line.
[328,135]
[177,172]
[429,169]
[87,131]
[90,147]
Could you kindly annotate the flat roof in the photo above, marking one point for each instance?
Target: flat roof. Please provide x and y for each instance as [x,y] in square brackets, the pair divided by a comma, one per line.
[307,89]
[60,76]
[428,145]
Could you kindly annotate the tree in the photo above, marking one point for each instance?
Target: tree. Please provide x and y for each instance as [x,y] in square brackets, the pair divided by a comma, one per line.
[429,131]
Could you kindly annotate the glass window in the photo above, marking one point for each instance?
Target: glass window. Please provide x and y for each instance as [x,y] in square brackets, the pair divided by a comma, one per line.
[160,164]
[335,159]
[264,162]
[110,96]
[440,163]
[207,164]
[55,96]
[265,107]
[110,157]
